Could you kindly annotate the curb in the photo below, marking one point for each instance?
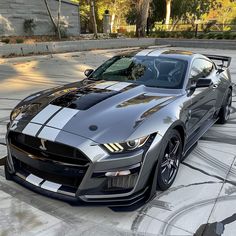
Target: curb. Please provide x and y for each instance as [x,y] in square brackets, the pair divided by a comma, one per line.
[199,43]
[11,50]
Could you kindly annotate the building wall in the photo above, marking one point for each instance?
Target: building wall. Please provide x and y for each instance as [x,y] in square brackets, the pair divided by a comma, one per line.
[13,13]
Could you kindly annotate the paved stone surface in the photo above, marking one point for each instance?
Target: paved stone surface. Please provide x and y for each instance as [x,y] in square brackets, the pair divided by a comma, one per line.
[203,195]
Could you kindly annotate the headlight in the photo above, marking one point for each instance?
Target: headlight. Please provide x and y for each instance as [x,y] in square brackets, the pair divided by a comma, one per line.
[15,113]
[126,146]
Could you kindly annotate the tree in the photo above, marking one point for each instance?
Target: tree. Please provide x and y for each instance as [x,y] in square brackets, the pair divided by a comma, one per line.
[117,8]
[56,26]
[93,19]
[59,19]
[223,12]
[142,9]
[192,11]
[168,13]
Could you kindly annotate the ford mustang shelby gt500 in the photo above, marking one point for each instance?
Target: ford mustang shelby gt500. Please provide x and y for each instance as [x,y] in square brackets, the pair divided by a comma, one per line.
[120,134]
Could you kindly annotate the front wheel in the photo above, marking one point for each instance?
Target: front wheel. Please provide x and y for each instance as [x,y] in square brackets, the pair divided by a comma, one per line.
[169,160]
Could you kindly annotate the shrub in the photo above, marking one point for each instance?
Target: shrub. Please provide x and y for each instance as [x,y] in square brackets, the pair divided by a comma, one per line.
[167,34]
[178,34]
[19,40]
[173,34]
[219,36]
[159,34]
[122,30]
[131,34]
[233,36]
[211,35]
[227,35]
[64,33]
[201,36]
[113,35]
[188,34]
[5,40]
[29,26]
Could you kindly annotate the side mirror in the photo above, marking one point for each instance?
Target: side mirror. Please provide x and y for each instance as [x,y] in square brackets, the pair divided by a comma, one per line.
[88,72]
[203,83]
[220,70]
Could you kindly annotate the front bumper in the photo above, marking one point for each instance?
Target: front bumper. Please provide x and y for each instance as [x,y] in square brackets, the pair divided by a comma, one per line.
[85,183]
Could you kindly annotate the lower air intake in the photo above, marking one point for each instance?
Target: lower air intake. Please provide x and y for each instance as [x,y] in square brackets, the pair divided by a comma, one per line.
[122,182]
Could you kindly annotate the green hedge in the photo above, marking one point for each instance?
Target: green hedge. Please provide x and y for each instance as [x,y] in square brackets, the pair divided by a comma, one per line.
[191,34]
[223,35]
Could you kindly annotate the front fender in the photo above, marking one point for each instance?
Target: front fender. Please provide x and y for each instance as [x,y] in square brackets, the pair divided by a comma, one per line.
[168,117]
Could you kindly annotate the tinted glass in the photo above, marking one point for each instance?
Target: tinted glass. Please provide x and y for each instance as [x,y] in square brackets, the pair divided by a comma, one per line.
[150,71]
[201,68]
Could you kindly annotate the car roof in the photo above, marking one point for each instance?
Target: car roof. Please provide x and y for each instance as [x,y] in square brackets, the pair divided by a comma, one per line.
[170,53]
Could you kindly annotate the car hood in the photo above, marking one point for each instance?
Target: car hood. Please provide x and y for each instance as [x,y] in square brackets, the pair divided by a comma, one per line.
[103,111]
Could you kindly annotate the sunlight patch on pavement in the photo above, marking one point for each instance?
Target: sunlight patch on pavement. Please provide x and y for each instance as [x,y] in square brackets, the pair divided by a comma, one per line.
[16,82]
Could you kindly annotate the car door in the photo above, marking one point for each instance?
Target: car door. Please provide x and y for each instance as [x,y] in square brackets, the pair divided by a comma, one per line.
[203,100]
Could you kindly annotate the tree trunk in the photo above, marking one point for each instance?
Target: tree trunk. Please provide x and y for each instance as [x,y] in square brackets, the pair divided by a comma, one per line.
[113,16]
[50,15]
[94,22]
[176,21]
[55,26]
[168,12]
[59,20]
[142,16]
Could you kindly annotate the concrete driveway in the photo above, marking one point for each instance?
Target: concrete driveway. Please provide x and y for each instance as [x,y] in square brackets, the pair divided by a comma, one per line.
[203,197]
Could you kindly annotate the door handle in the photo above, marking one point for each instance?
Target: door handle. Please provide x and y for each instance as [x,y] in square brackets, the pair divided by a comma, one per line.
[215,85]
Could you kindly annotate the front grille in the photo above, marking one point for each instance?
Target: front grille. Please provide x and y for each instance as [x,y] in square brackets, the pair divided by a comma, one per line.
[54,151]
[72,181]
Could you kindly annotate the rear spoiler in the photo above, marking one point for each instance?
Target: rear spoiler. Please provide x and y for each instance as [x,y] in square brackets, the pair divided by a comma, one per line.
[223,59]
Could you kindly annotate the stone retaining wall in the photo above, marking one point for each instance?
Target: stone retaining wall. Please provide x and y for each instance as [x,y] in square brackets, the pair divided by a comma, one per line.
[198,43]
[72,46]
[13,13]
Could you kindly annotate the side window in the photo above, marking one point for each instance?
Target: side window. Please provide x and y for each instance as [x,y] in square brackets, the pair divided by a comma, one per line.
[201,68]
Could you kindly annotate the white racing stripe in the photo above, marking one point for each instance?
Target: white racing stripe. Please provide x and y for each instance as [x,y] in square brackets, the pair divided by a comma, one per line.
[144,52]
[49,133]
[119,86]
[51,186]
[62,118]
[31,129]
[105,84]
[45,114]
[33,179]
[156,53]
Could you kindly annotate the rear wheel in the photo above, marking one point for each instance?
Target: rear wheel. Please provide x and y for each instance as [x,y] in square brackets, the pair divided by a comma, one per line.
[225,110]
[169,160]
[8,176]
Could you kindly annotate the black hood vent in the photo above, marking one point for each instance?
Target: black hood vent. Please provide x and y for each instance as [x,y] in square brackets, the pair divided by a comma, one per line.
[83,99]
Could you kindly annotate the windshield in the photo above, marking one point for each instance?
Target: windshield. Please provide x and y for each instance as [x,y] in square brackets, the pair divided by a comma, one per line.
[150,71]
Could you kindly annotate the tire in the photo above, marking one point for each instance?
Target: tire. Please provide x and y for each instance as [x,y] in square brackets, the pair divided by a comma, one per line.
[8,176]
[169,160]
[225,109]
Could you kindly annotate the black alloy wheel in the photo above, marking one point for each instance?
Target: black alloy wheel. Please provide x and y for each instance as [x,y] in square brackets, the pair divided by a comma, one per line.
[168,164]
[226,109]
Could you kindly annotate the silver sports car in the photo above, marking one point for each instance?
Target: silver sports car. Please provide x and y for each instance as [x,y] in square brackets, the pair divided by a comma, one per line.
[120,134]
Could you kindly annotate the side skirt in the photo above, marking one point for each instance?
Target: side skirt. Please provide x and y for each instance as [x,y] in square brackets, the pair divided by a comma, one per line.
[192,140]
